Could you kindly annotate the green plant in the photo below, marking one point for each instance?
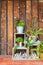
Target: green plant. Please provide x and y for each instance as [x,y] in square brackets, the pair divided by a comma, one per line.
[19,23]
[15,47]
[28,41]
[34,30]
[41,46]
[19,39]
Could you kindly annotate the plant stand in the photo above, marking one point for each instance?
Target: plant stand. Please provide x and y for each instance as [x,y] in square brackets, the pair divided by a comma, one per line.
[19,49]
[27,52]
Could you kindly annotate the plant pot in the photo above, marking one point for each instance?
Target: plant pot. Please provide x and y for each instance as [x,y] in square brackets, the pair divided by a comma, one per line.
[20,44]
[34,38]
[19,29]
[41,55]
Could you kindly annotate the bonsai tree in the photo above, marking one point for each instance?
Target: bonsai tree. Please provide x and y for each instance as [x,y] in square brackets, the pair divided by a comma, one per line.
[19,40]
[19,26]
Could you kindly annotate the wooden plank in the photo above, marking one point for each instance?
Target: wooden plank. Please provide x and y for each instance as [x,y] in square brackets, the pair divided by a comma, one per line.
[0,27]
[16,11]
[35,10]
[10,26]
[22,10]
[28,14]
[3,28]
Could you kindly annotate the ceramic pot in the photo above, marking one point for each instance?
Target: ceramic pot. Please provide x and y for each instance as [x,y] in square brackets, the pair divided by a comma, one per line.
[19,29]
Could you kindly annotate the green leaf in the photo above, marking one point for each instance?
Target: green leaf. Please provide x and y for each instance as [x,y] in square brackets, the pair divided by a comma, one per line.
[15,47]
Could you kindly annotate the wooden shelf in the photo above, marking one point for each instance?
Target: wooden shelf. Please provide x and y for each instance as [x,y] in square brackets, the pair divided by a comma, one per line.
[22,48]
[19,33]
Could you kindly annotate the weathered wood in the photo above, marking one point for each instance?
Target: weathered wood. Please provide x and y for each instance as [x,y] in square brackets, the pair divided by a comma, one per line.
[10,26]
[0,27]
[28,14]
[41,18]
[3,27]
[35,10]
[16,12]
[30,11]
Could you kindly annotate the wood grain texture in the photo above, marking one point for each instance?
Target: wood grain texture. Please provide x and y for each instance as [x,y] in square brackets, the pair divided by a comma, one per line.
[35,11]
[30,12]
[3,28]
[10,26]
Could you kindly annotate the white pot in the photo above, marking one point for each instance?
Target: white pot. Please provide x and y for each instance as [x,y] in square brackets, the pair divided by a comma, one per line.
[19,29]
[20,44]
[34,38]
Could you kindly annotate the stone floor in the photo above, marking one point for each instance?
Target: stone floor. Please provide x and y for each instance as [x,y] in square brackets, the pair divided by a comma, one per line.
[7,60]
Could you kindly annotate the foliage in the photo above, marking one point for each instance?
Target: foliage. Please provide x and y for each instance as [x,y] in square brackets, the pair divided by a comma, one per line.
[19,39]
[28,41]
[19,23]
[34,30]
[15,47]
[41,46]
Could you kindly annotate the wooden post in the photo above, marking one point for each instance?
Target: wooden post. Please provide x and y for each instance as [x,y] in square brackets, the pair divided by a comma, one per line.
[27,52]
[12,52]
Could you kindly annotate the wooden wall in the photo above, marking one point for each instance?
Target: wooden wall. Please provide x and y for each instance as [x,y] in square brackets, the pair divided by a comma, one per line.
[41,17]
[11,11]
[3,27]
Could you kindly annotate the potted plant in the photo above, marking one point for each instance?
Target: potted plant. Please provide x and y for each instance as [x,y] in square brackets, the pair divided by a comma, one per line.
[19,26]
[34,30]
[28,42]
[34,33]
[41,50]
[19,40]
